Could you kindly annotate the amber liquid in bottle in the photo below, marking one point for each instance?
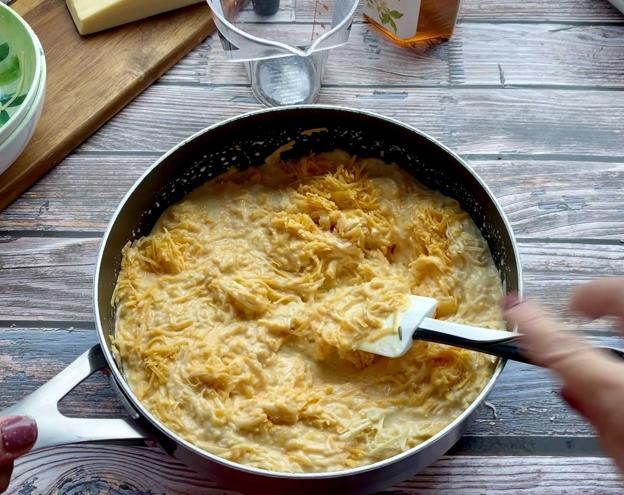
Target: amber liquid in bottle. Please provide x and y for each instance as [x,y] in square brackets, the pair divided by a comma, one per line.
[435,21]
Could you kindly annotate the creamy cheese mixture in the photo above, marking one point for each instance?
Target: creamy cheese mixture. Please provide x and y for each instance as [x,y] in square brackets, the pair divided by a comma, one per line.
[239,315]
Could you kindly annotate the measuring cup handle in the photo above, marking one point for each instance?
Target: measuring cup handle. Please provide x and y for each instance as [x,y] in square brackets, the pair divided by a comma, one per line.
[55,428]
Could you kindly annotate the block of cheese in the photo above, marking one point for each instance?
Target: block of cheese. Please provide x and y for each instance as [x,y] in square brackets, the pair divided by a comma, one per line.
[91,16]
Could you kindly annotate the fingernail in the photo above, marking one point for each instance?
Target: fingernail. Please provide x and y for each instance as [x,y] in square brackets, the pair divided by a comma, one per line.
[18,433]
[510,300]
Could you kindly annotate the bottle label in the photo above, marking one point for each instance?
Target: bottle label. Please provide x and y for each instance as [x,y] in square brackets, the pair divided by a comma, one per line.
[399,17]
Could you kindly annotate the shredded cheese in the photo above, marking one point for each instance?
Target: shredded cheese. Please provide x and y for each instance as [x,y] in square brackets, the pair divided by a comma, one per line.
[238,317]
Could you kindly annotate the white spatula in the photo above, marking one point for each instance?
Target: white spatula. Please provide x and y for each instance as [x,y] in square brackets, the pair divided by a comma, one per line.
[418,323]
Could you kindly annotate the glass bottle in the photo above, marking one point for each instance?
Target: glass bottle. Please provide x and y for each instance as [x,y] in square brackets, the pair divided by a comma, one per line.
[409,21]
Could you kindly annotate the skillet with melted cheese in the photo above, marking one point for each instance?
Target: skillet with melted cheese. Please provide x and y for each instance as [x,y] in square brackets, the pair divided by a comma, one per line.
[239,314]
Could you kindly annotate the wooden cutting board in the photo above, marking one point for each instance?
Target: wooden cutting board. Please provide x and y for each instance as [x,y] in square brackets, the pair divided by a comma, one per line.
[93,77]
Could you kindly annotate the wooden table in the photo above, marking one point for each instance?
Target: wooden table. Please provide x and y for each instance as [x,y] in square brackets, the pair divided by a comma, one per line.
[530,92]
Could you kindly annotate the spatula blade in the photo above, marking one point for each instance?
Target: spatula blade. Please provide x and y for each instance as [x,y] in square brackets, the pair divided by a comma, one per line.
[398,342]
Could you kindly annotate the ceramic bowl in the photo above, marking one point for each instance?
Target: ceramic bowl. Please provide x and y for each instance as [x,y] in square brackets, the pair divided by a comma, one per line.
[17,141]
[22,84]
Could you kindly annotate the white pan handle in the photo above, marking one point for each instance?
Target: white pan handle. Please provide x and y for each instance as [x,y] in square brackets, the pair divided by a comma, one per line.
[56,429]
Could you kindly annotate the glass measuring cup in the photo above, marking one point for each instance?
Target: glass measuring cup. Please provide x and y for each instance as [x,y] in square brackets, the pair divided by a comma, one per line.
[284,43]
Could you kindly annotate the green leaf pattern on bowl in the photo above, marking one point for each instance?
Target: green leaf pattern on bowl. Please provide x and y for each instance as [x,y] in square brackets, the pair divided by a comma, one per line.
[12,79]
[17,65]
[4,51]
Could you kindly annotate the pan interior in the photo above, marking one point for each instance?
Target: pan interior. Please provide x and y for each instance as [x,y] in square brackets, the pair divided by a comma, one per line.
[248,140]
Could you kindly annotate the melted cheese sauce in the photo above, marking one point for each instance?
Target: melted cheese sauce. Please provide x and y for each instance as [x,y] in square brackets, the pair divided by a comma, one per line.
[239,315]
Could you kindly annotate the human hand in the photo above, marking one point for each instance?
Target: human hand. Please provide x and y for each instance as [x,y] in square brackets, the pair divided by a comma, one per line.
[17,436]
[593,380]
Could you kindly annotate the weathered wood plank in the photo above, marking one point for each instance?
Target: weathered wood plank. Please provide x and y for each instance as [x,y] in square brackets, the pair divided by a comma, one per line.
[548,54]
[469,120]
[141,471]
[50,278]
[561,199]
[524,402]
[538,11]
[555,199]
[479,53]
[379,62]
[505,10]
[36,276]
[101,469]
[79,194]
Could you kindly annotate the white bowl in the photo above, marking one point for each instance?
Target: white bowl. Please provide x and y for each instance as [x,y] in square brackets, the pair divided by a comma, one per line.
[19,138]
[25,47]
[22,52]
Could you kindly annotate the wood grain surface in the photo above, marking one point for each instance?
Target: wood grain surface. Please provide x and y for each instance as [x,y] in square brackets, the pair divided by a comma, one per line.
[484,53]
[482,121]
[578,11]
[100,470]
[50,278]
[558,198]
[525,403]
[531,93]
[104,470]
[584,11]
[91,78]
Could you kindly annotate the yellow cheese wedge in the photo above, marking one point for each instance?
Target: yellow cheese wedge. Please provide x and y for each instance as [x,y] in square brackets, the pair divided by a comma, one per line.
[91,16]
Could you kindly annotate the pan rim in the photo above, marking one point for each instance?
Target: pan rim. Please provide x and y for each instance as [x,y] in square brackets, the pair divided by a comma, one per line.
[155,422]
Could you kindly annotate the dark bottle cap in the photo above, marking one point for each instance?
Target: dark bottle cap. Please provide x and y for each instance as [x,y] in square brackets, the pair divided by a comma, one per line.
[266,7]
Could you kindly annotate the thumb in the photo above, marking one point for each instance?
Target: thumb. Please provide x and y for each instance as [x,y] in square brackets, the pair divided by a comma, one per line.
[17,436]
[600,298]
[592,378]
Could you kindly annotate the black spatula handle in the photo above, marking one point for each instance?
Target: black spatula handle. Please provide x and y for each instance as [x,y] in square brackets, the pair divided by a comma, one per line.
[507,348]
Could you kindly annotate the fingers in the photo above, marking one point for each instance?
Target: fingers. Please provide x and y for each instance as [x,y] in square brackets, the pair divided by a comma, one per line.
[547,343]
[600,298]
[5,476]
[593,379]
[17,436]
[590,375]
